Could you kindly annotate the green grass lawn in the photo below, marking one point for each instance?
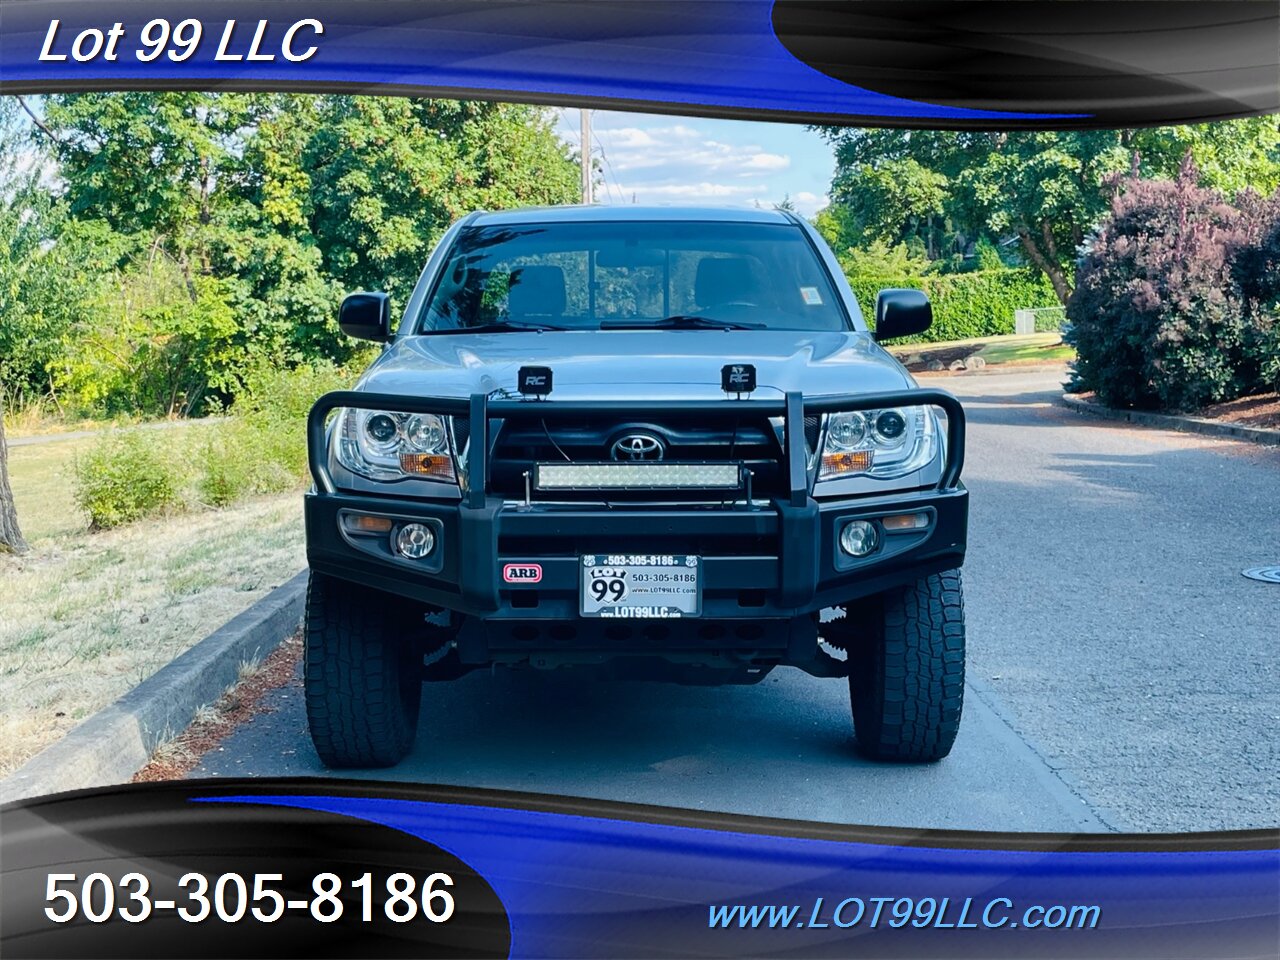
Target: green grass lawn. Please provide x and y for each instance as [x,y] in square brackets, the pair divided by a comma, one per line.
[1030,348]
[84,616]
[1010,349]
[41,478]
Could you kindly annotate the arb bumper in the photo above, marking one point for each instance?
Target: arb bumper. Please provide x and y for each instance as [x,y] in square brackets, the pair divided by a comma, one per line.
[508,561]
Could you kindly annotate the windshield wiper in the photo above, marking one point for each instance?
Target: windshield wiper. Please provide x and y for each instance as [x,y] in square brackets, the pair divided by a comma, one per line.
[498,326]
[681,321]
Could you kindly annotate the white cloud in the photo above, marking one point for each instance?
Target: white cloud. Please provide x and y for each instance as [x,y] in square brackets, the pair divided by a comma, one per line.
[719,191]
[681,151]
[668,159]
[809,203]
[631,138]
[766,162]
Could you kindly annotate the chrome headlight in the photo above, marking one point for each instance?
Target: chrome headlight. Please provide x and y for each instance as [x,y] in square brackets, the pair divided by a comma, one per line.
[382,445]
[885,444]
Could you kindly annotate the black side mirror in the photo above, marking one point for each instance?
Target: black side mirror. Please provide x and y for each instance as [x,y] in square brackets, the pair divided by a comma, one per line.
[366,316]
[900,313]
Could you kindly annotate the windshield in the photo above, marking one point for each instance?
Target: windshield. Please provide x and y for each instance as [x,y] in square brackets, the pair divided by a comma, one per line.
[633,274]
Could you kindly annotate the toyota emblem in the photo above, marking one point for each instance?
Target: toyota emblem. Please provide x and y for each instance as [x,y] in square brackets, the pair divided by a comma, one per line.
[638,446]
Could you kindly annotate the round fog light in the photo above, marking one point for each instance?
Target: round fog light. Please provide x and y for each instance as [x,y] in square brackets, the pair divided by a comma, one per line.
[415,541]
[859,538]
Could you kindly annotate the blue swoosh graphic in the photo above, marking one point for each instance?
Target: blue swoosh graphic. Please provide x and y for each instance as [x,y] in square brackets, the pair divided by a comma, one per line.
[723,54]
[570,880]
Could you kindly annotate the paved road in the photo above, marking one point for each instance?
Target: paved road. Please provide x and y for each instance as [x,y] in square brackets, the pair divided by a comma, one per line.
[782,748]
[1123,673]
[1107,610]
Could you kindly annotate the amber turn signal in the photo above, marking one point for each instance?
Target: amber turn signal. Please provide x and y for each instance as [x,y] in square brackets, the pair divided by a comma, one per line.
[857,461]
[439,466]
[363,523]
[905,521]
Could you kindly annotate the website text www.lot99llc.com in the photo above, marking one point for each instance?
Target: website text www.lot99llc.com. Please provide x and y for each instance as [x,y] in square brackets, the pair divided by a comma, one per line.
[897,912]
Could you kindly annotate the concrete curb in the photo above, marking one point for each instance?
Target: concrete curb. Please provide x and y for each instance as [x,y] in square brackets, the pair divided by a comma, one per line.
[1171,422]
[1060,781]
[118,740]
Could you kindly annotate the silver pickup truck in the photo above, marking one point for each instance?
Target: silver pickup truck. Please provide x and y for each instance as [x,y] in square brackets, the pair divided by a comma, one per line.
[655,443]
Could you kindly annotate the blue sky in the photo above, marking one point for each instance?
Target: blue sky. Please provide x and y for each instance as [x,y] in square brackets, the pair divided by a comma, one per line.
[679,160]
[689,160]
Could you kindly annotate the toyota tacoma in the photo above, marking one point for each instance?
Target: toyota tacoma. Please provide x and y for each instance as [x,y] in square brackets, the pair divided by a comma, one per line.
[648,443]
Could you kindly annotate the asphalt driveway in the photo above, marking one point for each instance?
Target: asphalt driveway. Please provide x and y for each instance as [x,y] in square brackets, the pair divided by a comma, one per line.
[1123,673]
[1107,611]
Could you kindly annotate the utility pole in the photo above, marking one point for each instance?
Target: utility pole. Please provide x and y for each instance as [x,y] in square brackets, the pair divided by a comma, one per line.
[586,156]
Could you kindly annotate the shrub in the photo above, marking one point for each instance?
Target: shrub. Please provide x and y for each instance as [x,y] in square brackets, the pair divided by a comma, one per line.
[1155,317]
[274,403]
[150,340]
[123,478]
[980,303]
[240,460]
[262,446]
[1256,270]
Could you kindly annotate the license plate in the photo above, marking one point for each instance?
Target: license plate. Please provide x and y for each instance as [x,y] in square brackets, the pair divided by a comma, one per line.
[641,586]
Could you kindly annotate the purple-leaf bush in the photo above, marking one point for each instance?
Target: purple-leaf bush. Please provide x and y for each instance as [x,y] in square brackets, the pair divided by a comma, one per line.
[1176,293]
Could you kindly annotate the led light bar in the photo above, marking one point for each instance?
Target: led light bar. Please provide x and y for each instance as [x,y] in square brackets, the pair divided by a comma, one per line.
[645,476]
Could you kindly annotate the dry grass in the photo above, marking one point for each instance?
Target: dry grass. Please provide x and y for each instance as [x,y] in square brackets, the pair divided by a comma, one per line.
[39,419]
[85,617]
[41,477]
[212,723]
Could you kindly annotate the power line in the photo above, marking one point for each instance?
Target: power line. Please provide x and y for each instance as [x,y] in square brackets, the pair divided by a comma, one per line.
[622,193]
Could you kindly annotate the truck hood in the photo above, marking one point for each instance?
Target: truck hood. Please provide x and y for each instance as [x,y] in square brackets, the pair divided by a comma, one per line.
[636,364]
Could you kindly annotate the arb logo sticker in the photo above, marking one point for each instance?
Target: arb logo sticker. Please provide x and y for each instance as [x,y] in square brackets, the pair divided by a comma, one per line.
[522,572]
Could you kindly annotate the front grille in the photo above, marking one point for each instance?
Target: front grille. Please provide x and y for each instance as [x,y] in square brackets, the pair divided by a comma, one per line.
[461,432]
[721,544]
[521,444]
[812,427]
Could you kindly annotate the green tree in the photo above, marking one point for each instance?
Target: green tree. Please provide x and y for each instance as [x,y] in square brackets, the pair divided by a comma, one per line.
[896,201]
[261,244]
[151,340]
[47,267]
[151,163]
[389,175]
[1047,189]
[878,259]
[33,292]
[286,200]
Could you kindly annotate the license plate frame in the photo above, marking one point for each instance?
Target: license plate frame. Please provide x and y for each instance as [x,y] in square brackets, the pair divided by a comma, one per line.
[673,595]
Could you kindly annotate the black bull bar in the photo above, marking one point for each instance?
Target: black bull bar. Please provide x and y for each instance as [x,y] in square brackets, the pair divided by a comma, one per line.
[480,515]
[480,409]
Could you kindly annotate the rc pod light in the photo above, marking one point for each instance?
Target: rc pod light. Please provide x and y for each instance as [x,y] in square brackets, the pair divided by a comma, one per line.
[382,445]
[885,444]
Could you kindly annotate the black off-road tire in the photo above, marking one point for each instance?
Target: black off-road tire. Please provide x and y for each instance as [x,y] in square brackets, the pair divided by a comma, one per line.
[362,674]
[906,669]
